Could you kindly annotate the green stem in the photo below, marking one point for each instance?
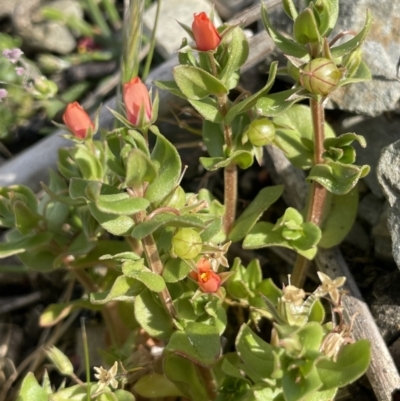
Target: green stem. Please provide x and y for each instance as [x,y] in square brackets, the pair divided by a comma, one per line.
[112,13]
[87,361]
[230,172]
[98,18]
[132,39]
[230,196]
[149,57]
[153,258]
[154,261]
[318,193]
[209,381]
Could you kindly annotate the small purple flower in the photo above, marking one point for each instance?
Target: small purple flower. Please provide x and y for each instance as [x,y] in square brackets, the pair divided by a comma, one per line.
[3,94]
[13,54]
[20,70]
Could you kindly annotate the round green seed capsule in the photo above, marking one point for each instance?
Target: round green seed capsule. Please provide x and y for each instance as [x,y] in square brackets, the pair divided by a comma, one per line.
[261,132]
[320,76]
[187,243]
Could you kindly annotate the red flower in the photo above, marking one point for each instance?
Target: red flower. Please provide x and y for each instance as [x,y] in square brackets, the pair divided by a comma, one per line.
[77,120]
[206,278]
[136,97]
[205,34]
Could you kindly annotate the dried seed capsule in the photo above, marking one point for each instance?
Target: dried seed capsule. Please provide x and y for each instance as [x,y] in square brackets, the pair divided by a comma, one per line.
[261,132]
[320,76]
[187,243]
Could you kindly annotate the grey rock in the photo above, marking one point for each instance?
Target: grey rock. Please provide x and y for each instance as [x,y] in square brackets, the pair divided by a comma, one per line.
[378,132]
[6,8]
[382,238]
[381,52]
[358,237]
[228,8]
[385,305]
[370,209]
[388,172]
[169,33]
[40,34]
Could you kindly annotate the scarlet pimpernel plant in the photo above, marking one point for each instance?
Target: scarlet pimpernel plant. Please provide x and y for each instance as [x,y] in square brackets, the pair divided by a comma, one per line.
[116,202]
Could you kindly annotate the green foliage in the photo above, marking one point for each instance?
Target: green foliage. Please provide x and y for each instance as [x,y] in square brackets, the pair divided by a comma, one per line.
[290,231]
[117,219]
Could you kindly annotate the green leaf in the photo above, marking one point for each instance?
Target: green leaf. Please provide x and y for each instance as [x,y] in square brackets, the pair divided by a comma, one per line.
[196,83]
[208,108]
[55,211]
[23,244]
[106,397]
[54,313]
[139,168]
[74,393]
[290,9]
[185,375]
[328,12]
[88,164]
[104,251]
[123,395]
[268,288]
[213,138]
[166,156]
[341,214]
[123,289]
[310,336]
[25,219]
[121,204]
[264,199]
[265,234]
[114,224]
[294,135]
[151,280]
[152,316]
[155,385]
[336,177]
[305,29]
[199,342]
[175,270]
[171,87]
[255,353]
[354,42]
[248,103]
[213,228]
[88,189]
[317,312]
[237,52]
[327,395]
[296,387]
[362,74]
[121,256]
[31,390]
[66,165]
[242,158]
[288,46]
[165,219]
[352,362]
[277,103]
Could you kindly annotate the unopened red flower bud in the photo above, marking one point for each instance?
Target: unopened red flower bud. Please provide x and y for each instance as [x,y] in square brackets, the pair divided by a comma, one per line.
[320,76]
[77,120]
[137,98]
[205,34]
[261,132]
[206,278]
